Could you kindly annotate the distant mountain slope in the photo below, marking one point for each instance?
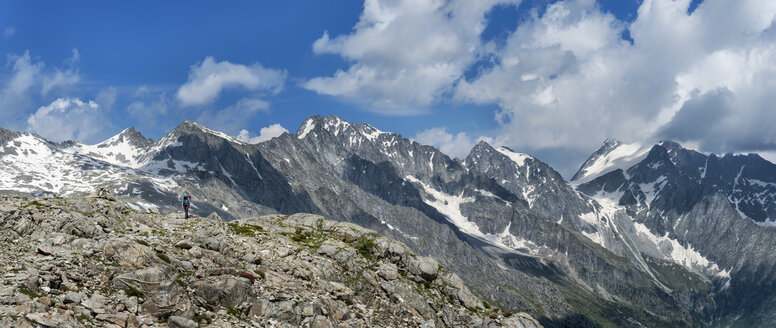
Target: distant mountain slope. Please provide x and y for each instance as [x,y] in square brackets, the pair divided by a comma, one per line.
[613,247]
[719,209]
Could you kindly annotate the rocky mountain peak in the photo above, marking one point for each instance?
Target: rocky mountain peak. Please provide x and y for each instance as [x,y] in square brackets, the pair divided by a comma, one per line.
[7,135]
[336,126]
[192,128]
[129,136]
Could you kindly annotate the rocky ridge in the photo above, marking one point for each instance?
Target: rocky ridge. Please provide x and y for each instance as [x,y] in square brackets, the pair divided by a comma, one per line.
[96,262]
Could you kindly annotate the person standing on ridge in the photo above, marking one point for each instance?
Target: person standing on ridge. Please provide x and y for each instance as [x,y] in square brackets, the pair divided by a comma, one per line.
[186,203]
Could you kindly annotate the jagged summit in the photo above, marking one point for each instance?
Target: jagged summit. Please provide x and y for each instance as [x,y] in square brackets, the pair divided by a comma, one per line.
[336,126]
[129,136]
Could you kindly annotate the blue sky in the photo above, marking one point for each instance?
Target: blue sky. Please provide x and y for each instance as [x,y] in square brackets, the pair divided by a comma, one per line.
[550,78]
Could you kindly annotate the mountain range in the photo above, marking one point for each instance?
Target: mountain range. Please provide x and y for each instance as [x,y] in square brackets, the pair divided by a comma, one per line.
[643,234]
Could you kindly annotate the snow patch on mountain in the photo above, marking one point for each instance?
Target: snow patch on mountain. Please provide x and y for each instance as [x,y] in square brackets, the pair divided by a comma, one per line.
[158,167]
[370,132]
[117,150]
[651,189]
[309,125]
[518,158]
[336,125]
[449,206]
[509,241]
[143,206]
[31,164]
[621,156]
[683,255]
[644,239]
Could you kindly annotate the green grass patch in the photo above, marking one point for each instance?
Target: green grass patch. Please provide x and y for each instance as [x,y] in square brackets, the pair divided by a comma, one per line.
[35,203]
[24,290]
[365,246]
[164,257]
[248,230]
[308,238]
[132,291]
[142,242]
[233,311]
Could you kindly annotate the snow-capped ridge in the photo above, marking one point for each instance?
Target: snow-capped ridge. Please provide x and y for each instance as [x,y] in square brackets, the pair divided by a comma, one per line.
[337,126]
[612,155]
[518,158]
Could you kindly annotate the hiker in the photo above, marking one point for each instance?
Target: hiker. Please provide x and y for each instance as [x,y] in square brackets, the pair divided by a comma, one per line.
[186,203]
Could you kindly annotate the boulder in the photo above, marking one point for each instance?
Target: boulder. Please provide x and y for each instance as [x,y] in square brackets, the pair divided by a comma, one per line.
[388,271]
[224,290]
[130,254]
[422,266]
[180,322]
[162,295]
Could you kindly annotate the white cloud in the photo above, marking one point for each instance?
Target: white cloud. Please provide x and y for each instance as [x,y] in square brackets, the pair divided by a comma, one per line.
[14,95]
[63,78]
[406,54]
[235,117]
[9,32]
[566,79]
[208,78]
[27,74]
[69,119]
[458,145]
[266,133]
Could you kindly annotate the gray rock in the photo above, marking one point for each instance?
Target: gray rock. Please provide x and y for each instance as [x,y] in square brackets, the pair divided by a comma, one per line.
[226,291]
[72,297]
[422,266]
[97,304]
[180,322]
[388,271]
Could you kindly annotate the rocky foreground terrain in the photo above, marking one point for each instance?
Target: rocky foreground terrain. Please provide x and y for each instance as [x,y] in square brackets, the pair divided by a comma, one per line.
[96,262]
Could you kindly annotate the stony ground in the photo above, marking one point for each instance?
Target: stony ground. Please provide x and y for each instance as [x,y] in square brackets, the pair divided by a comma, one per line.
[96,262]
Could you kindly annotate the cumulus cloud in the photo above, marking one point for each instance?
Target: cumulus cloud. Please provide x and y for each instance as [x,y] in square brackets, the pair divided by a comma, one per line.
[565,78]
[458,145]
[208,78]
[568,79]
[9,32]
[266,133]
[69,119]
[26,75]
[406,54]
